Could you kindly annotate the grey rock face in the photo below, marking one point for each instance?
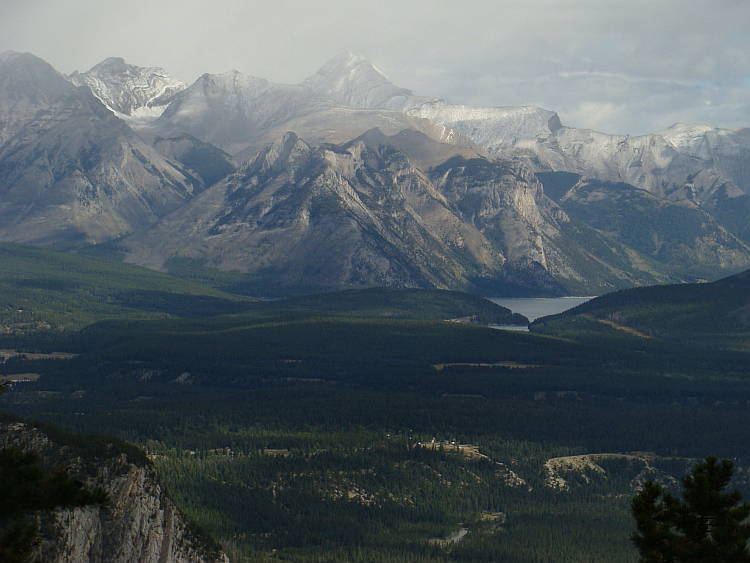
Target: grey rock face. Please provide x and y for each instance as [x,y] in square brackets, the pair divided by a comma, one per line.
[705,165]
[322,217]
[351,215]
[233,111]
[69,169]
[140,523]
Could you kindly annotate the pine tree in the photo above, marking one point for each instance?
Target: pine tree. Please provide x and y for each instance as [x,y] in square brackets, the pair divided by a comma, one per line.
[709,525]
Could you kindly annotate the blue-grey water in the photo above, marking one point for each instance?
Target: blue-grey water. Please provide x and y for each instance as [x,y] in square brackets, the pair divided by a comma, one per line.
[533,309]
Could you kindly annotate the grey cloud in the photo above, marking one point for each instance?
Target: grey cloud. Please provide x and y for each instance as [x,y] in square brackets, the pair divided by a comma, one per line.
[622,67]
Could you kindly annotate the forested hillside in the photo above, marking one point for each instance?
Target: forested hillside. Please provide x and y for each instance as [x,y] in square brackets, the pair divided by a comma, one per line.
[715,315]
[328,428]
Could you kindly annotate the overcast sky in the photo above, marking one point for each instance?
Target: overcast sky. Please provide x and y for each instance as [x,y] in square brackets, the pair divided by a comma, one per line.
[617,66]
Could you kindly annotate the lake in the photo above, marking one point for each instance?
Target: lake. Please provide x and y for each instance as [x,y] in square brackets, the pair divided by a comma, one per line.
[535,308]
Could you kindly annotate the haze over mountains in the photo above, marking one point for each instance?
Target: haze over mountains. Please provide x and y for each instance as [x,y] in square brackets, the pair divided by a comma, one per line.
[347,180]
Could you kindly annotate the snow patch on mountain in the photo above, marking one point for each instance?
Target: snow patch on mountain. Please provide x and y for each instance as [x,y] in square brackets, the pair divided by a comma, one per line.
[136,94]
[494,129]
[354,81]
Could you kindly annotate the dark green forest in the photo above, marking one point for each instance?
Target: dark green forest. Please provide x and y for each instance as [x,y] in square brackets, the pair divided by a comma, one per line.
[360,426]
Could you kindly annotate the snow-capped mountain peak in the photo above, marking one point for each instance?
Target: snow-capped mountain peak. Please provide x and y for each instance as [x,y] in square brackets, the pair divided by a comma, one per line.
[354,81]
[136,94]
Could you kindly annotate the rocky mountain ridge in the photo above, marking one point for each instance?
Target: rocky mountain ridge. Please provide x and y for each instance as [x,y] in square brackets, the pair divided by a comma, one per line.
[707,158]
[137,95]
[698,163]
[430,194]
[333,216]
[702,164]
[364,213]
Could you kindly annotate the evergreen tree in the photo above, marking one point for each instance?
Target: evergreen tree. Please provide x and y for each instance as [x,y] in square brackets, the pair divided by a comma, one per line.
[709,525]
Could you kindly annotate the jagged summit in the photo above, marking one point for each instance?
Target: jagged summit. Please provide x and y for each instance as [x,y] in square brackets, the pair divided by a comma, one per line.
[136,94]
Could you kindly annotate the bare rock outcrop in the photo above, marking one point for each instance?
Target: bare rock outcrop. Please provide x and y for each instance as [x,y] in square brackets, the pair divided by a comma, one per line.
[139,524]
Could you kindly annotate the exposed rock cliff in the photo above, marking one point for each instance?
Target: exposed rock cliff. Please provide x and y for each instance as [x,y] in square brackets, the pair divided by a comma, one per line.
[69,169]
[352,215]
[140,524]
[705,165]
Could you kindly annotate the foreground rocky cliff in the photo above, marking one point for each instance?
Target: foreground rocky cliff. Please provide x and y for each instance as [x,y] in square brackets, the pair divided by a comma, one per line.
[140,523]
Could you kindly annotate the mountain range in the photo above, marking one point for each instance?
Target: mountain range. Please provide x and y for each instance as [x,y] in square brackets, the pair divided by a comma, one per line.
[347,180]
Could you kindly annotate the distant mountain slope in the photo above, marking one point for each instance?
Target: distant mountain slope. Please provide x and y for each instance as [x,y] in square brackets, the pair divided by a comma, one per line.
[679,235]
[203,160]
[385,302]
[705,165]
[49,292]
[69,169]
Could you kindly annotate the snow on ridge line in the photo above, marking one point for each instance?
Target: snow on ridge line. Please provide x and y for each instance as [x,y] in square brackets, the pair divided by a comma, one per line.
[137,94]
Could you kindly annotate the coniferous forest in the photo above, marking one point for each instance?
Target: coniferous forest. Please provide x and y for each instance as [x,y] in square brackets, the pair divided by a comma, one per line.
[361,426]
